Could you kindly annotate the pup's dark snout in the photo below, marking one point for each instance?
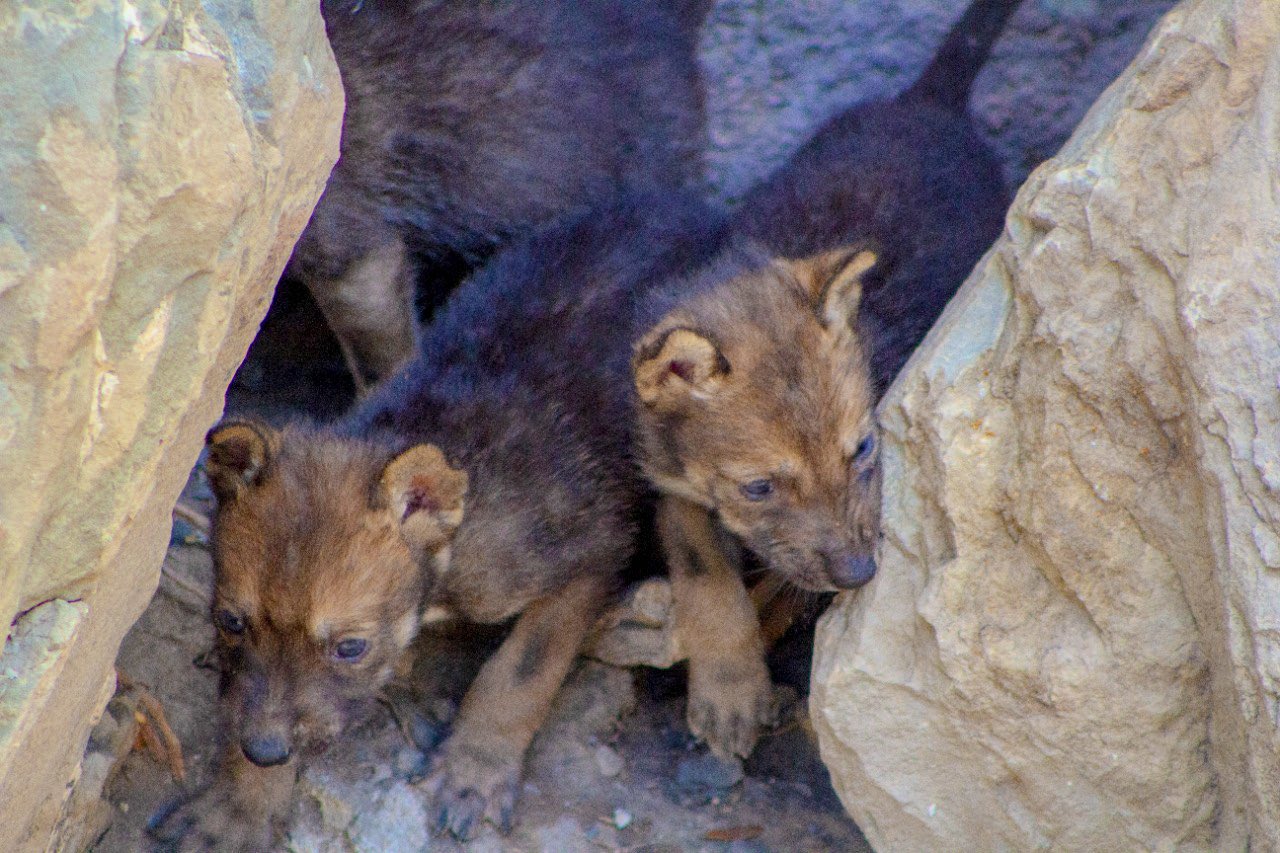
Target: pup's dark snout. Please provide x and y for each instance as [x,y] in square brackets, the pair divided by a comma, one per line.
[265,750]
[849,571]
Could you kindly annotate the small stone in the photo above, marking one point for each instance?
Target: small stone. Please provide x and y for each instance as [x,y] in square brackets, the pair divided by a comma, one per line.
[707,775]
[410,762]
[608,761]
[563,836]
[622,818]
[398,823]
[751,846]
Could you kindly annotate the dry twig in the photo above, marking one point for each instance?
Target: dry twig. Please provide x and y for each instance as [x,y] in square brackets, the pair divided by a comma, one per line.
[155,735]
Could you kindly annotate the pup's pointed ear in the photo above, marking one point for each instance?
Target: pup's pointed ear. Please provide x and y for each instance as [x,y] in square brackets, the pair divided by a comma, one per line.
[240,452]
[426,494]
[834,281]
[673,366]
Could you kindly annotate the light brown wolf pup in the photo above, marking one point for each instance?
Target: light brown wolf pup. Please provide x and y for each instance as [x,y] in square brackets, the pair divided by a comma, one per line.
[756,414]
[757,389]
[319,544]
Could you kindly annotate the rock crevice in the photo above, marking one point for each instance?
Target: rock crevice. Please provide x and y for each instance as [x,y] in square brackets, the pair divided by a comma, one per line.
[1071,641]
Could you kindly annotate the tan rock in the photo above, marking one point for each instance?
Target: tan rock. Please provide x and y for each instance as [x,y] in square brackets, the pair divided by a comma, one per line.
[1073,642]
[160,159]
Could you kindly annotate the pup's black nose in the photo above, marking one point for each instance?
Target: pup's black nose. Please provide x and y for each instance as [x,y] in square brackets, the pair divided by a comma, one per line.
[265,750]
[849,571]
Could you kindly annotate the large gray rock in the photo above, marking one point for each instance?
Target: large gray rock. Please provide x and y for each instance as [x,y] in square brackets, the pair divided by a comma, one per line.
[159,160]
[1074,639]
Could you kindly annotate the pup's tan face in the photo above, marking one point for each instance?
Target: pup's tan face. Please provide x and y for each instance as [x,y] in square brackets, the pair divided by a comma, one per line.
[756,401]
[324,549]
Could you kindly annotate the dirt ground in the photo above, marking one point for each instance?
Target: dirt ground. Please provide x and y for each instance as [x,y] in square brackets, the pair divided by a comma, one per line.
[614,770]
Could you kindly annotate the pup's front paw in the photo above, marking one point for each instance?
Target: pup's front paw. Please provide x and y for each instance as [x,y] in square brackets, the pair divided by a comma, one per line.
[212,820]
[729,703]
[470,784]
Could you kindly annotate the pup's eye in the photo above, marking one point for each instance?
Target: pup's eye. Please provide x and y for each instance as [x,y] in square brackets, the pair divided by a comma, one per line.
[865,449]
[757,490]
[228,621]
[350,650]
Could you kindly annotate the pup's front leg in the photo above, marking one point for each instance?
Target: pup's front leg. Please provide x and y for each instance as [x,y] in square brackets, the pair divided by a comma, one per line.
[363,283]
[730,695]
[476,774]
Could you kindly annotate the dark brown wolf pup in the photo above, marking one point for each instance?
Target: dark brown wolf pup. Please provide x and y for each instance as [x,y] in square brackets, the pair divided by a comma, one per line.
[471,121]
[757,388]
[489,480]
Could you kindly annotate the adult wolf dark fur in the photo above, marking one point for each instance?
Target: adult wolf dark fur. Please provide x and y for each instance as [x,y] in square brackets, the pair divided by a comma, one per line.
[471,121]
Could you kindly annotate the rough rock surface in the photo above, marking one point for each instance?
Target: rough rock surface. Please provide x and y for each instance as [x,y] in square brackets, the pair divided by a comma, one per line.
[159,160]
[776,69]
[1072,642]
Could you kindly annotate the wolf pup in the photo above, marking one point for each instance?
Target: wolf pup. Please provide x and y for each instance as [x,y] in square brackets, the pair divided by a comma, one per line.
[490,479]
[757,389]
[469,122]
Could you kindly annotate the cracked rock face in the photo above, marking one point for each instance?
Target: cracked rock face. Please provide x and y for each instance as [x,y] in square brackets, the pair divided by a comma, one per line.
[1073,642]
[159,161]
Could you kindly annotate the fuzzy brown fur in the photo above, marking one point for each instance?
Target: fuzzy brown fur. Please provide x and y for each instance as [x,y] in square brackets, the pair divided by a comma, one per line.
[310,553]
[489,480]
[757,388]
[744,391]
[470,122]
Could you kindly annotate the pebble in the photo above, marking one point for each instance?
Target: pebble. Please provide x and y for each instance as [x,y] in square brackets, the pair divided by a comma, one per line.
[410,762]
[397,821]
[608,761]
[748,847]
[706,774]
